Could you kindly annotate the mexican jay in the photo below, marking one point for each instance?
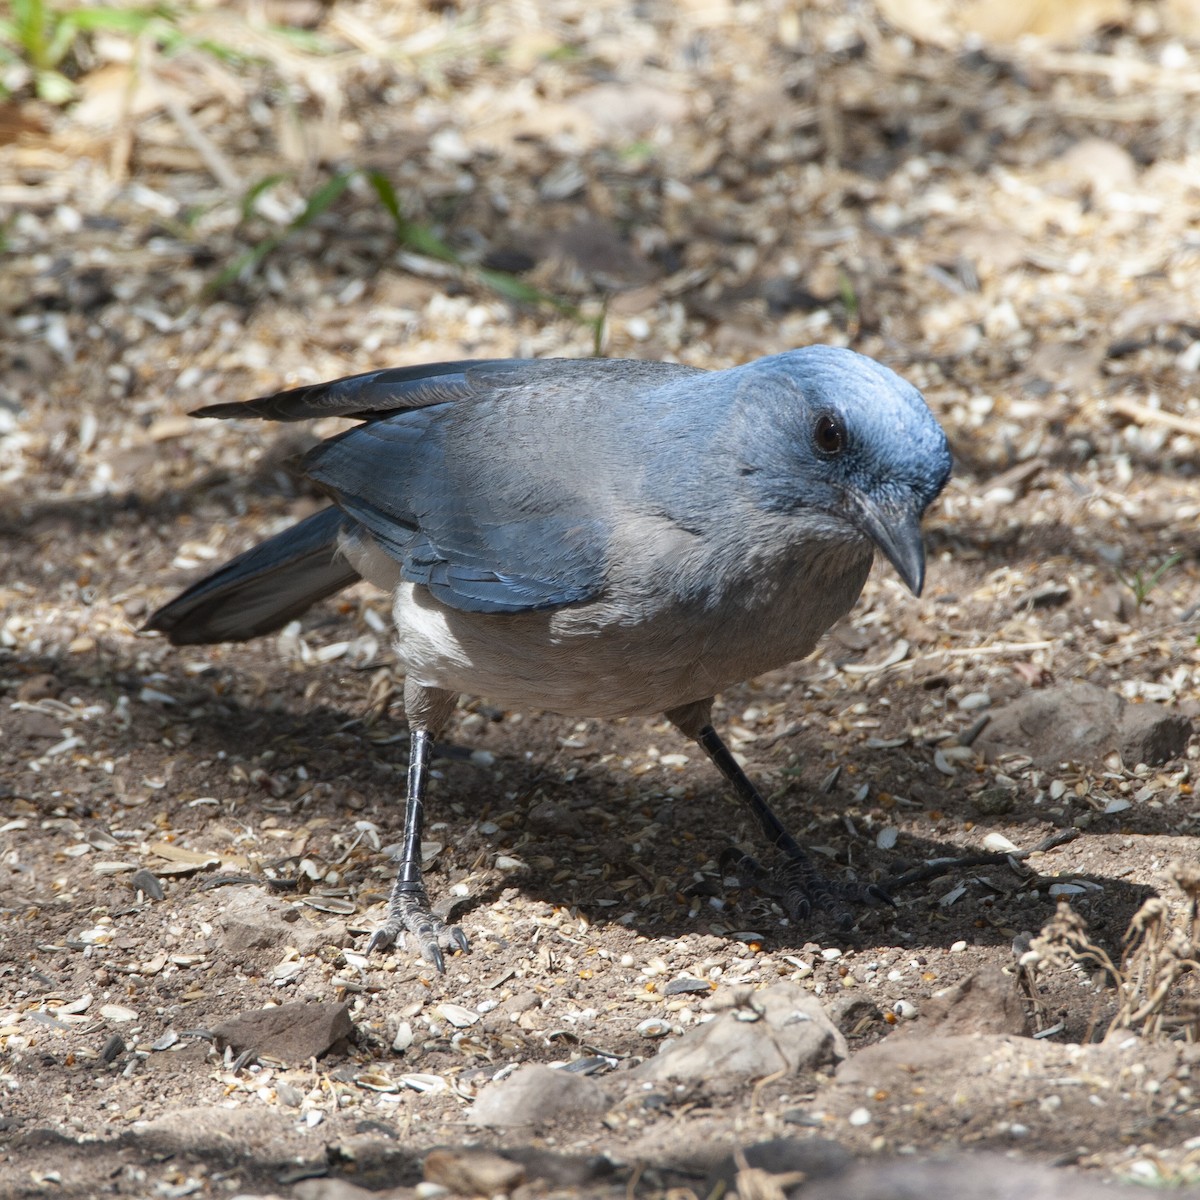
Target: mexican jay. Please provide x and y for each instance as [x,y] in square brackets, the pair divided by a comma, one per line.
[598,538]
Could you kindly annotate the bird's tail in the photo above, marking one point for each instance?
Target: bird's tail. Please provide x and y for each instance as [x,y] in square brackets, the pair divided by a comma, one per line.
[262,589]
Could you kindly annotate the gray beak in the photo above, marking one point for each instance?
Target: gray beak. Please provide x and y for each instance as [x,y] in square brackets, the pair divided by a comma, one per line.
[896,530]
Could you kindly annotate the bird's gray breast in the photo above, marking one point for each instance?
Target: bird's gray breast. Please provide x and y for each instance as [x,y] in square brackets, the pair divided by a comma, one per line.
[675,623]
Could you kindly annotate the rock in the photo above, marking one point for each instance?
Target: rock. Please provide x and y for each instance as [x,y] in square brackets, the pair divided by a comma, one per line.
[292,1033]
[507,1012]
[1081,723]
[629,110]
[255,924]
[470,1171]
[555,819]
[781,1028]
[342,1189]
[1096,167]
[988,1001]
[39,687]
[994,801]
[1152,734]
[210,1132]
[536,1095]
[24,723]
[906,1062]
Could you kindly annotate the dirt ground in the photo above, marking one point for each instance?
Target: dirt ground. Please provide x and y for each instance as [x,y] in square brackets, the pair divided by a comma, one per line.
[1012,224]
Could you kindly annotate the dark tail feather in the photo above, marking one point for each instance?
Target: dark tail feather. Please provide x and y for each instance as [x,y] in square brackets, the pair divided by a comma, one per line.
[262,589]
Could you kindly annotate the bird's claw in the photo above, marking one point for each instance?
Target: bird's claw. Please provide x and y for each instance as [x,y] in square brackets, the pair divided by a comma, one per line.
[409,914]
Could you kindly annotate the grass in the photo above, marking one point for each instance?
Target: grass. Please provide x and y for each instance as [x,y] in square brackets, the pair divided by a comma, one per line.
[1154,980]
[47,38]
[51,42]
[1143,581]
[414,236]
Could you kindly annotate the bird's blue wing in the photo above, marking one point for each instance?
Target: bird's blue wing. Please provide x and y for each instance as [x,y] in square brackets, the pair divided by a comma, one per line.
[374,394]
[476,475]
[459,517]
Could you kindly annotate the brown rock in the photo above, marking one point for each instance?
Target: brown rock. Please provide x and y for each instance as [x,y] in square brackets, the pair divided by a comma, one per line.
[551,818]
[781,1028]
[38,687]
[536,1095]
[1080,722]
[1153,734]
[906,1062]
[255,924]
[32,725]
[988,1001]
[292,1033]
[469,1171]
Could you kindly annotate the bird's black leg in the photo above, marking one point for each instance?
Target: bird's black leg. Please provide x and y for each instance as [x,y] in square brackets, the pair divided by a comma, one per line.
[408,905]
[799,884]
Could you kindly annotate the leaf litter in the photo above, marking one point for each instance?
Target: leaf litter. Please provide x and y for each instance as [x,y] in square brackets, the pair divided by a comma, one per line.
[1010,221]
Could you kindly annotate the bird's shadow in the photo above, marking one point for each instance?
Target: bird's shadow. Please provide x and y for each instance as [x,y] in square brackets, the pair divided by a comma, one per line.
[350,760]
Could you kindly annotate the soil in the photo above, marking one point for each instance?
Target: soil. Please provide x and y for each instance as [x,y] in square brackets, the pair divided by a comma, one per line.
[1014,226]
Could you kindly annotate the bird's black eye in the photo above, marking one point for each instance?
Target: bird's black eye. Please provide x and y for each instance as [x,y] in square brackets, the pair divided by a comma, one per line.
[829,435]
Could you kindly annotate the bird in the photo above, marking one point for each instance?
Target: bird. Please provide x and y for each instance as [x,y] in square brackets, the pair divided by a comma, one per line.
[596,538]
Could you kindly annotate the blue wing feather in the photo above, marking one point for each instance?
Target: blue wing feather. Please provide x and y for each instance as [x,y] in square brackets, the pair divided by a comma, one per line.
[488,520]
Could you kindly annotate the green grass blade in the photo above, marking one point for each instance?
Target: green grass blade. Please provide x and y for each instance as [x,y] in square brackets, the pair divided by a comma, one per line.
[419,238]
[257,189]
[318,203]
[117,20]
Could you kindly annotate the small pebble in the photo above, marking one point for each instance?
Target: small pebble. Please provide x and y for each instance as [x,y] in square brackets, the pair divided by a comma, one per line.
[906,1010]
[456,1015]
[860,1116]
[999,843]
[1144,1170]
[958,947]
[686,985]
[473,1171]
[653,1027]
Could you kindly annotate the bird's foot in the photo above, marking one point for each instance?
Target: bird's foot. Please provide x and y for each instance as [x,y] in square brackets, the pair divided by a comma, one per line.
[802,890]
[409,913]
